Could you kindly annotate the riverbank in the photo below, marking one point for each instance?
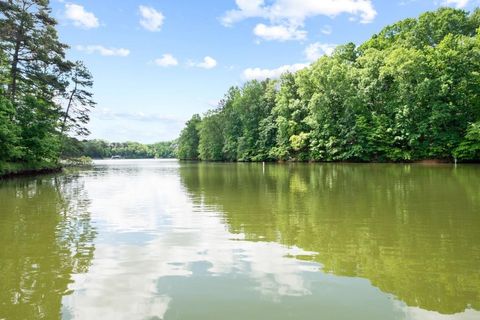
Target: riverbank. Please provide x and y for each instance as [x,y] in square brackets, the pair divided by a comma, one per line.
[423,161]
[10,169]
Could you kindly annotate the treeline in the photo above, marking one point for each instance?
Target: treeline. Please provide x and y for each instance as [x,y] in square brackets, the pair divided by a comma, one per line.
[410,92]
[43,95]
[101,149]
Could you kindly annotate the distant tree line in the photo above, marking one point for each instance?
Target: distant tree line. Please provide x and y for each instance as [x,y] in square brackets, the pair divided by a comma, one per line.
[410,92]
[43,96]
[101,149]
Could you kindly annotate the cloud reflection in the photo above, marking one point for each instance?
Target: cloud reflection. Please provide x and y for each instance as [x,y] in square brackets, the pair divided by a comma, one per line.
[155,243]
[180,235]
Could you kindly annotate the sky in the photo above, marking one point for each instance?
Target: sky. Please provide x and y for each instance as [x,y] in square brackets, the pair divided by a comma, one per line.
[155,63]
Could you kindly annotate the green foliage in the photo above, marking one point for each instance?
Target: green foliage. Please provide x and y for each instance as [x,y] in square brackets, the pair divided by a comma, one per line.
[189,139]
[408,93]
[43,96]
[96,149]
[9,148]
[211,140]
[14,168]
[469,149]
[164,150]
[79,100]
[38,121]
[100,149]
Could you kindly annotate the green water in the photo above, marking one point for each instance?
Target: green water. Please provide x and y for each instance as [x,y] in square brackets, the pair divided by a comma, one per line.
[168,240]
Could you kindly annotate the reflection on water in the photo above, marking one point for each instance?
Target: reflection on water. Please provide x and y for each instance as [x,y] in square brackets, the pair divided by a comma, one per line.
[413,231]
[45,238]
[169,240]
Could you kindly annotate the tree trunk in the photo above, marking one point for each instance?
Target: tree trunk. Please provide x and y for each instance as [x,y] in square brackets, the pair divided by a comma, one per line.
[14,69]
[65,117]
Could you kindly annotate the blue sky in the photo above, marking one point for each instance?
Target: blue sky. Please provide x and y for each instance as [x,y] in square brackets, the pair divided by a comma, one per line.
[157,62]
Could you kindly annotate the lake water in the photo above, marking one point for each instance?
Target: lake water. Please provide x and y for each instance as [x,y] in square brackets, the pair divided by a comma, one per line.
[162,239]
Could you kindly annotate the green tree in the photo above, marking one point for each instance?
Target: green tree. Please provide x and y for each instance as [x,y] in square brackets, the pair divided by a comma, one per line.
[189,139]
[408,93]
[9,148]
[469,149]
[79,100]
[39,125]
[211,137]
[36,56]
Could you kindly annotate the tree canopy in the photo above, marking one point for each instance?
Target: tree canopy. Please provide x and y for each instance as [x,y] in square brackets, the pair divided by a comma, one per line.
[101,149]
[43,96]
[411,92]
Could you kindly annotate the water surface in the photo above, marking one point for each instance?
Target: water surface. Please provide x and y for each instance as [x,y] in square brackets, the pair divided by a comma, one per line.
[168,240]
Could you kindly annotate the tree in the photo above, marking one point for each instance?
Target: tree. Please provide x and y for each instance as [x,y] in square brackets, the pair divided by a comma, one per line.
[79,100]
[35,54]
[9,148]
[189,139]
[469,149]
[289,112]
[211,138]
[410,92]
[253,107]
[38,121]
[232,127]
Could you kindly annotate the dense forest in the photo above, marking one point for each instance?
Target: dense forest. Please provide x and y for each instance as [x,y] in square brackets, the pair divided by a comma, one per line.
[44,97]
[410,92]
[100,149]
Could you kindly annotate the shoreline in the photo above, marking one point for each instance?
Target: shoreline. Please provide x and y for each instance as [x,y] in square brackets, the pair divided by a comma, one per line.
[424,161]
[13,170]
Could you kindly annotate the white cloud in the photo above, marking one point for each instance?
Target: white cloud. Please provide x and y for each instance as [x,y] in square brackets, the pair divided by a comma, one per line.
[107,52]
[317,49]
[290,15]
[312,53]
[456,3]
[207,63]
[281,33]
[167,60]
[81,17]
[152,20]
[262,74]
[296,11]
[326,30]
[246,9]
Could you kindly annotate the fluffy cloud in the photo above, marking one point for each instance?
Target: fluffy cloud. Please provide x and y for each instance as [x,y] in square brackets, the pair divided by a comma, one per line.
[207,63]
[287,17]
[312,53]
[262,74]
[107,52]
[456,3]
[280,33]
[246,9]
[296,11]
[152,20]
[316,50]
[167,60]
[81,17]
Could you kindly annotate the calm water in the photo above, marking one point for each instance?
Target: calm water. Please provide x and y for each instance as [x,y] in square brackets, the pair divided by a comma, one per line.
[170,240]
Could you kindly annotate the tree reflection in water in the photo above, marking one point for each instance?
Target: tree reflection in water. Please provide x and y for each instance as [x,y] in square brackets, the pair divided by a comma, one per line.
[46,236]
[412,230]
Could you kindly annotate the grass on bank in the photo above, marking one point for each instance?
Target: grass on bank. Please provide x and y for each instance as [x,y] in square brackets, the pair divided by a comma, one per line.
[16,168]
[20,168]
